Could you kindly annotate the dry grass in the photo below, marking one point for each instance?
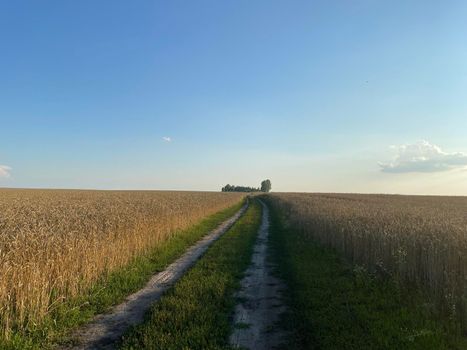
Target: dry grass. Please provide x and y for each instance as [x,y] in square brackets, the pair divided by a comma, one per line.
[55,244]
[419,240]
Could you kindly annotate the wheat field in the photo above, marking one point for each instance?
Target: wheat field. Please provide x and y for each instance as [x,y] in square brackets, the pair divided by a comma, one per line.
[55,243]
[421,241]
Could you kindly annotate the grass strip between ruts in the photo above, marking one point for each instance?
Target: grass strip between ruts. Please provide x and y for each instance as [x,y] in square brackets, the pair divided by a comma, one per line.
[112,289]
[336,306]
[196,312]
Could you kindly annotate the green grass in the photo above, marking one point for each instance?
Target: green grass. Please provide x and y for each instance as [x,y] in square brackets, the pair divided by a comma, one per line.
[336,306]
[196,313]
[112,289]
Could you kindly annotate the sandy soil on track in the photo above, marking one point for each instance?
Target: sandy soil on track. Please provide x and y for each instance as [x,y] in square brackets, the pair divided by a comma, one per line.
[261,304]
[106,329]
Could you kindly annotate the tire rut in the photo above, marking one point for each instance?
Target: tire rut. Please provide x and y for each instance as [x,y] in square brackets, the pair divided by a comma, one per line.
[256,319]
[106,329]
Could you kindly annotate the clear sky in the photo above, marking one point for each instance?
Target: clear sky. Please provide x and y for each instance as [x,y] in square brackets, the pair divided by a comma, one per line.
[352,96]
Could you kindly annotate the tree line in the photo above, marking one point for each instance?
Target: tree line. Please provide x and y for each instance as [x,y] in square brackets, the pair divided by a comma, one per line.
[265,187]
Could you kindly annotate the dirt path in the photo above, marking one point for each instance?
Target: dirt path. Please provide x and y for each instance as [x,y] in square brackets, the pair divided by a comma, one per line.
[257,314]
[106,329]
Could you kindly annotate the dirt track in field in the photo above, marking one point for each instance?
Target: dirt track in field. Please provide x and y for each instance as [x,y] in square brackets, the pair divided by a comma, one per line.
[261,304]
[106,329]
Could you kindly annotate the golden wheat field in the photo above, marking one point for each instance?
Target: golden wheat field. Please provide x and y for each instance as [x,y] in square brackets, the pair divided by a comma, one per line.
[55,243]
[420,240]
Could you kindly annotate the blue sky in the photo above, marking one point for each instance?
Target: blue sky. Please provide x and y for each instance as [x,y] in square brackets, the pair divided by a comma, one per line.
[352,96]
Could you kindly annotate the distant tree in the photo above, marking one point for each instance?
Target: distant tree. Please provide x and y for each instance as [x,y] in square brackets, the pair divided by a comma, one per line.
[230,188]
[266,186]
[227,188]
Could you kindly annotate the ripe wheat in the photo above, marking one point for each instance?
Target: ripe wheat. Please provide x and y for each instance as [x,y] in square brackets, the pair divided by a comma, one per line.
[419,240]
[55,244]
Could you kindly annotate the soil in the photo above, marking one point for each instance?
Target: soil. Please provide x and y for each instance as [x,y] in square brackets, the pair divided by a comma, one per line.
[257,315]
[106,329]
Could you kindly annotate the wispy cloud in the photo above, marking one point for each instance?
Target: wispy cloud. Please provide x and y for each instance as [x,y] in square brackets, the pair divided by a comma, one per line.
[423,156]
[167,139]
[4,171]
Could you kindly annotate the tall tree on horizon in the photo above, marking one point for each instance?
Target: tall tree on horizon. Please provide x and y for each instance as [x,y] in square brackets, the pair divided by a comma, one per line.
[266,185]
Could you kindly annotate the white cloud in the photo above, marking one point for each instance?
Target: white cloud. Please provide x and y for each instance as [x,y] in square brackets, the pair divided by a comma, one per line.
[4,171]
[167,139]
[423,157]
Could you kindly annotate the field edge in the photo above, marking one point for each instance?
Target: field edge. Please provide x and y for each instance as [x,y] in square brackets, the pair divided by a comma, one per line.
[111,289]
[336,305]
[197,312]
